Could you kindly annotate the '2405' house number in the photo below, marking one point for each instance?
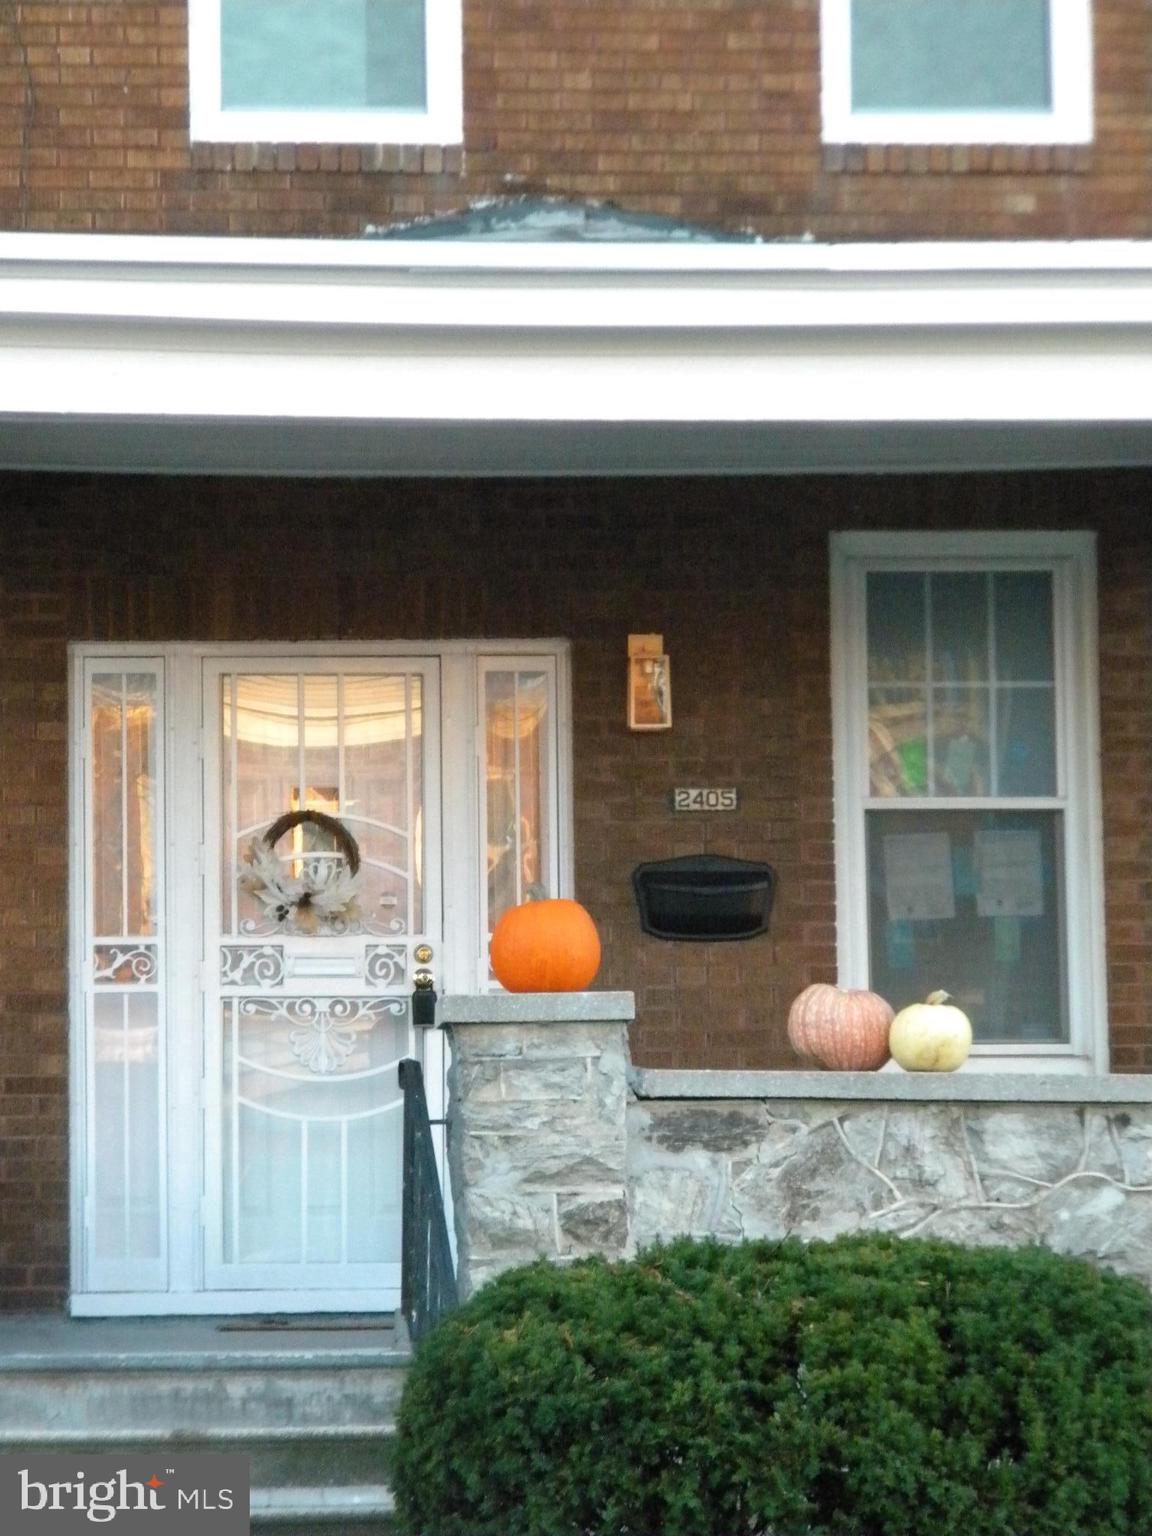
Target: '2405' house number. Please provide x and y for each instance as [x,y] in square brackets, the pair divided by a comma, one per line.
[706,799]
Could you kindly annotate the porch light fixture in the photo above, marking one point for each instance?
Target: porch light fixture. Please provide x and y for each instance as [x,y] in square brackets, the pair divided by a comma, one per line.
[649,684]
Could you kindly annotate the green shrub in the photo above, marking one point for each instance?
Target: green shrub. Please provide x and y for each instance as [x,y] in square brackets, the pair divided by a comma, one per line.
[866,1387]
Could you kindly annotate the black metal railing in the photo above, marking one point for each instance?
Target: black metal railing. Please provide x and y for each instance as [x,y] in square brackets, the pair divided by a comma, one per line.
[427,1274]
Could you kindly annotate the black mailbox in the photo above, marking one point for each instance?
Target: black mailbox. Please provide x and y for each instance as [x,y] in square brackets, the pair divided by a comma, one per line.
[704,897]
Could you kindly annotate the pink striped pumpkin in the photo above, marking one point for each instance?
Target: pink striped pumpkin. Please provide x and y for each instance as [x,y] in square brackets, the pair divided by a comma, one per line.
[846,1031]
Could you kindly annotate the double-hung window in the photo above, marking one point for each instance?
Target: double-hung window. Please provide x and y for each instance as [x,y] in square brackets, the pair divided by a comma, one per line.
[968,842]
[957,71]
[325,71]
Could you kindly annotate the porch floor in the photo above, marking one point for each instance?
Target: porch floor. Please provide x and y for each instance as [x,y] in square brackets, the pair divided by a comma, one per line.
[32,1341]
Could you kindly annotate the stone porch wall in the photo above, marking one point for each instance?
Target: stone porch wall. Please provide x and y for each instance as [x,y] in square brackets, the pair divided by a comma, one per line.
[1064,1162]
[558,1148]
[537,1129]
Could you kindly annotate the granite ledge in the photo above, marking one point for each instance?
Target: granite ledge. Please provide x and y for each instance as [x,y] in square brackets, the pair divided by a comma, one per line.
[537,1008]
[895,1087]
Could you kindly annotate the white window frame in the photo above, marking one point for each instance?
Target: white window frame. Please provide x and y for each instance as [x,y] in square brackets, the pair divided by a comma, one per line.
[1069,121]
[1071,557]
[441,123]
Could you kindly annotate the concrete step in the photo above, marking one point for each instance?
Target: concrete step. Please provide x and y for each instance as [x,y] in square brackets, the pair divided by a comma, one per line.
[180,1404]
[313,1410]
[317,1457]
[364,1508]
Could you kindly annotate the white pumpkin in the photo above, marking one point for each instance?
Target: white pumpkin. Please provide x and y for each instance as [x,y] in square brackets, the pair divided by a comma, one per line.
[931,1036]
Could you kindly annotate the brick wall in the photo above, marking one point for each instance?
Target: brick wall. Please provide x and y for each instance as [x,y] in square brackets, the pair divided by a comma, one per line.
[706,110]
[733,572]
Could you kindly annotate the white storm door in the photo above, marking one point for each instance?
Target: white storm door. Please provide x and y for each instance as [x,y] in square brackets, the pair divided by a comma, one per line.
[304,1026]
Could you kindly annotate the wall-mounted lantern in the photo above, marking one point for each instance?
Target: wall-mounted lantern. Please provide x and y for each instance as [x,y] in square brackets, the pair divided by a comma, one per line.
[649,684]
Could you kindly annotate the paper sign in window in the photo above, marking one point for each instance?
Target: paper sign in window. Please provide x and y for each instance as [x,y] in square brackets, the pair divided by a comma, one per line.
[918,876]
[1009,874]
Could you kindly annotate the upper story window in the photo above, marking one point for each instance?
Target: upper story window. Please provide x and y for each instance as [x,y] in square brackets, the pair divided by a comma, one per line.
[957,71]
[968,830]
[325,71]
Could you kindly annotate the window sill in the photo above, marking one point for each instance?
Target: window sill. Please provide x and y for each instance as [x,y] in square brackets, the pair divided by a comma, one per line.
[855,159]
[896,1087]
[350,159]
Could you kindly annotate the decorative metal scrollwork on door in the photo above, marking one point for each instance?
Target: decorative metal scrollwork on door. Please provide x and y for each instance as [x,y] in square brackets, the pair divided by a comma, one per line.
[251,965]
[323,1032]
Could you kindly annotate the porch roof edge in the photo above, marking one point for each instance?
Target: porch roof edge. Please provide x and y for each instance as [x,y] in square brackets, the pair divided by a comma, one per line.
[807,257]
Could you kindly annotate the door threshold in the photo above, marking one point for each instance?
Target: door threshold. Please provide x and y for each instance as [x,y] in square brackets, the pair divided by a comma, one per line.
[381,1301]
[310,1323]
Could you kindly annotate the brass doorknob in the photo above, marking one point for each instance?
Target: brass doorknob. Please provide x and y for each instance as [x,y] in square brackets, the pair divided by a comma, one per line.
[422,981]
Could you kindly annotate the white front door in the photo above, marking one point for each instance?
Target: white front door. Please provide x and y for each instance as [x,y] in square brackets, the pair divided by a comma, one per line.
[237,1121]
[306,1017]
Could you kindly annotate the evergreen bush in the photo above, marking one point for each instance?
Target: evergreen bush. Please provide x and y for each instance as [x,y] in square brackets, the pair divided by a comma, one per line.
[864,1387]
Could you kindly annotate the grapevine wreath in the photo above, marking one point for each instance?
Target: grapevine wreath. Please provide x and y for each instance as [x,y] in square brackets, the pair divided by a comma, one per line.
[325,891]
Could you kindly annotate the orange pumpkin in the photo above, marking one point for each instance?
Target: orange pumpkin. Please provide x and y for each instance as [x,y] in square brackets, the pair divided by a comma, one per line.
[545,946]
[846,1031]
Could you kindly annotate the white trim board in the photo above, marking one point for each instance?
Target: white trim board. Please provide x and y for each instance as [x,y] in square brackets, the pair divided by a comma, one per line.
[80,252]
[229,1303]
[365,357]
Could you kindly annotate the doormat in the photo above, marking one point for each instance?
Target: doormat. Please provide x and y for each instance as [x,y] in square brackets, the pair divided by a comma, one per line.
[295,1324]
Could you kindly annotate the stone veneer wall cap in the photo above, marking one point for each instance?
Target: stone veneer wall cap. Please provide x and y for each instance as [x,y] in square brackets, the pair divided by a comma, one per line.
[895,1087]
[537,1008]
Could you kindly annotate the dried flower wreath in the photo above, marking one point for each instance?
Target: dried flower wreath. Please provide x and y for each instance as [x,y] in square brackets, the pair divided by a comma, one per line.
[324,892]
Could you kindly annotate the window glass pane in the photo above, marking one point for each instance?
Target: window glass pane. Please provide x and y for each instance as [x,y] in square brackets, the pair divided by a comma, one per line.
[322,742]
[126,1126]
[896,626]
[987,726]
[384,795]
[107,805]
[960,763]
[951,55]
[1023,607]
[1026,741]
[959,627]
[322,55]
[517,779]
[969,901]
[123,726]
[897,741]
[312,1170]
[355,744]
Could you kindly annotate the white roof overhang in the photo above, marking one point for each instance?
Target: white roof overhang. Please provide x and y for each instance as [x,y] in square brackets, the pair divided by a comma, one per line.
[406,357]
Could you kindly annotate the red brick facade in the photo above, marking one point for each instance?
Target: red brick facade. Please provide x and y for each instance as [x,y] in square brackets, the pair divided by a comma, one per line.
[733,572]
[706,110]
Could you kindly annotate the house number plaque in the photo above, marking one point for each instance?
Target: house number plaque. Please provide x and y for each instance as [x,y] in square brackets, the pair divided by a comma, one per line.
[726,799]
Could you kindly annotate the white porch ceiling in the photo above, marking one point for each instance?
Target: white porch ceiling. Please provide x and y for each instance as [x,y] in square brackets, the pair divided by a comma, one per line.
[395,358]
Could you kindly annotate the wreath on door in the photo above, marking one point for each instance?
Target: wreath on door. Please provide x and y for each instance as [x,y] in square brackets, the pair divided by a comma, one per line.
[324,891]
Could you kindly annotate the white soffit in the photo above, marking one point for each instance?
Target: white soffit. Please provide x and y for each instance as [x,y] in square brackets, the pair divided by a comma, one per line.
[364,357]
